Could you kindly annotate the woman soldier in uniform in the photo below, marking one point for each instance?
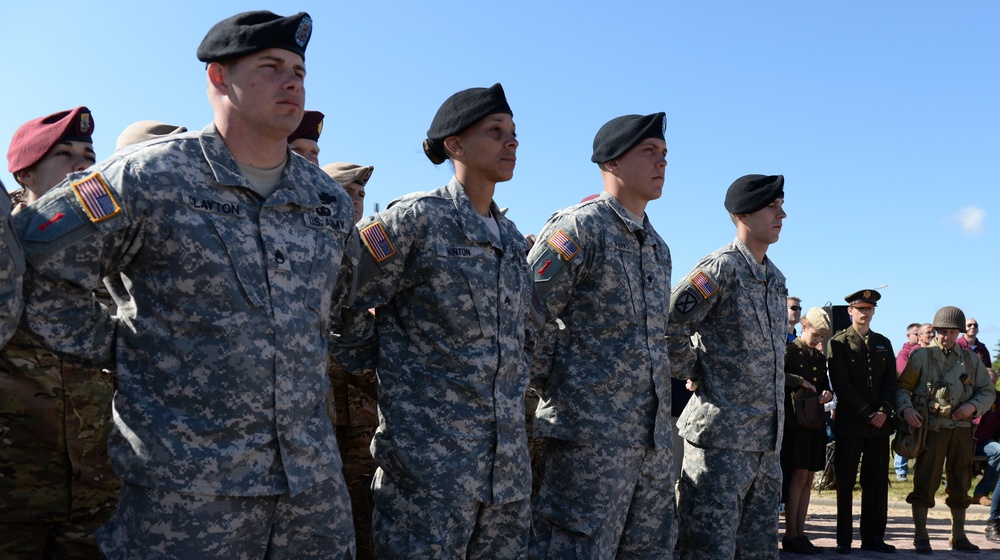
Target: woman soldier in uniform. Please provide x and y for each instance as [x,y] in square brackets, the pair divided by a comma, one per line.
[446,274]
[56,482]
[803,451]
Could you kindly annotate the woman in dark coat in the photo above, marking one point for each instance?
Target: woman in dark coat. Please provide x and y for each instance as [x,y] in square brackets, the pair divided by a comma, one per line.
[803,451]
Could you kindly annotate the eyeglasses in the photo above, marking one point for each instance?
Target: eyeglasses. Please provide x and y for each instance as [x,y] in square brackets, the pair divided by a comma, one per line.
[795,307]
[973,325]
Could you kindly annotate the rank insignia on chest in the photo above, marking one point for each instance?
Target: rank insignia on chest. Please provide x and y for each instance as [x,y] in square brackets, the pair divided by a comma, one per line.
[377,242]
[564,245]
[96,197]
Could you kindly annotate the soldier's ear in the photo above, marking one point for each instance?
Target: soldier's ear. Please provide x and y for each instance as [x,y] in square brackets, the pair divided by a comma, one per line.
[218,77]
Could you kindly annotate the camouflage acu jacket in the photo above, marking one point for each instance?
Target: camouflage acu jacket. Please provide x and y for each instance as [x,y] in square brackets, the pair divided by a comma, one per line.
[737,306]
[605,376]
[221,346]
[451,308]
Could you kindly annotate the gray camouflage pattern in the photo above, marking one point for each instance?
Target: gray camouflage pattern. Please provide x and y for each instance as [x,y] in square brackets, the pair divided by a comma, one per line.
[727,504]
[603,501]
[451,304]
[730,480]
[155,524]
[605,377]
[11,272]
[739,403]
[410,524]
[221,348]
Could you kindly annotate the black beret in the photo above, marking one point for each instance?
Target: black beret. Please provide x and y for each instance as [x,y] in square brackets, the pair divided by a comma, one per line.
[466,108]
[252,32]
[619,135]
[310,128]
[750,193]
[863,296]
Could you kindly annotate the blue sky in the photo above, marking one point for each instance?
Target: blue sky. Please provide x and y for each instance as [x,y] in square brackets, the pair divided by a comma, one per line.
[882,116]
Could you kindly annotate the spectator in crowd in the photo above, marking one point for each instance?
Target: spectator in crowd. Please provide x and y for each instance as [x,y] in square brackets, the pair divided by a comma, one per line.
[794,313]
[970,341]
[925,336]
[913,341]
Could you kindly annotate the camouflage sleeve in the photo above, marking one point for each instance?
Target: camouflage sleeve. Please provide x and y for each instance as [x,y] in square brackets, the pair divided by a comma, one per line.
[557,262]
[690,303]
[11,272]
[77,234]
[377,269]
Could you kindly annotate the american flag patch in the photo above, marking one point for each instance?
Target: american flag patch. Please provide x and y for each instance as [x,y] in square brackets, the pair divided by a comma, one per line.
[96,197]
[704,285]
[564,245]
[377,242]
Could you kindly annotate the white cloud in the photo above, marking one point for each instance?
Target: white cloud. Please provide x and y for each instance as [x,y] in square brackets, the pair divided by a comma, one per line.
[971,219]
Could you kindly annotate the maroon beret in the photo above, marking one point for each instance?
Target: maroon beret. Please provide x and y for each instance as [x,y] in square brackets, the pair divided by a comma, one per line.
[36,137]
[310,127]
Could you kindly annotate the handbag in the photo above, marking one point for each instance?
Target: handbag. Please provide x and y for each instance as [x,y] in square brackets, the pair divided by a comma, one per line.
[809,413]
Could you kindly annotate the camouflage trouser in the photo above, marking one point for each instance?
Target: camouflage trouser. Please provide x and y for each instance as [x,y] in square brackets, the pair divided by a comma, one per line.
[160,524]
[727,504]
[359,470]
[410,524]
[72,540]
[600,501]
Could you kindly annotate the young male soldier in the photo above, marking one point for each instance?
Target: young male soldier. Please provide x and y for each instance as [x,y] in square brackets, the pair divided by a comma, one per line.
[735,299]
[957,388]
[232,248]
[603,272]
[862,370]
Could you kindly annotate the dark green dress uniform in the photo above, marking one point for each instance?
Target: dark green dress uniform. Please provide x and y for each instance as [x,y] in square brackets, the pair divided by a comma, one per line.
[863,374]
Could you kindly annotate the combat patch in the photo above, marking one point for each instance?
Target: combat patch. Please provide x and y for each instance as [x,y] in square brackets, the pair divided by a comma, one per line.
[564,245]
[53,221]
[377,242]
[96,197]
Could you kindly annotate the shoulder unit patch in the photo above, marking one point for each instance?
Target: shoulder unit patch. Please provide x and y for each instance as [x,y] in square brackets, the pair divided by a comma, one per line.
[96,197]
